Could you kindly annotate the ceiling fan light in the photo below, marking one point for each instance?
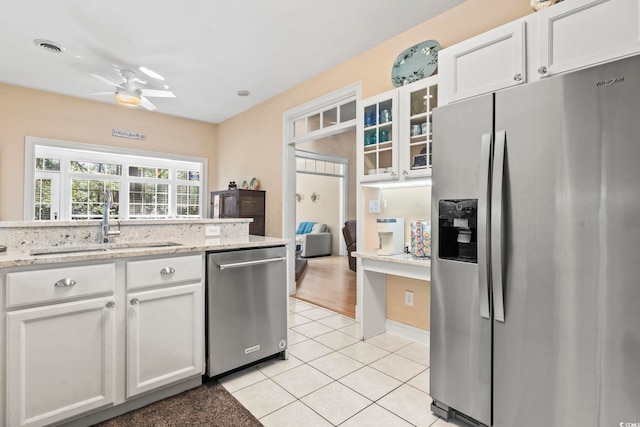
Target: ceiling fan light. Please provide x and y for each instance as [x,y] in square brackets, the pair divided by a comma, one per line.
[128,99]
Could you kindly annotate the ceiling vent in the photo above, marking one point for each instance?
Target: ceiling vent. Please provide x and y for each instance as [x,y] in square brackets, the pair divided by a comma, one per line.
[49,46]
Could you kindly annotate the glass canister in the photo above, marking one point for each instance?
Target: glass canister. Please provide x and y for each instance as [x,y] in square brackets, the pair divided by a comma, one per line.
[421,238]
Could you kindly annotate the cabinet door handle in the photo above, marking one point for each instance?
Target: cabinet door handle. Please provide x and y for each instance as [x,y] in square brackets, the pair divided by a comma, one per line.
[518,77]
[405,173]
[134,301]
[111,304]
[542,70]
[393,173]
[167,270]
[64,283]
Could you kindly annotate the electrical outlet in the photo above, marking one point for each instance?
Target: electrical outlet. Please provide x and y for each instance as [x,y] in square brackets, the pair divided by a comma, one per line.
[374,206]
[212,230]
[408,298]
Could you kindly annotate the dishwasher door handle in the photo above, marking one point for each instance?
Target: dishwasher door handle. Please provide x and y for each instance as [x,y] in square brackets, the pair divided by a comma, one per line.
[250,263]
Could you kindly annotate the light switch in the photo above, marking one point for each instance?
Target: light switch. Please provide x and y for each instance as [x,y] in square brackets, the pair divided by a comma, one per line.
[374,206]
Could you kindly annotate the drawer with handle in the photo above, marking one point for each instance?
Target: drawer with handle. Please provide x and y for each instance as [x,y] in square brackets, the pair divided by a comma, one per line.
[59,284]
[164,271]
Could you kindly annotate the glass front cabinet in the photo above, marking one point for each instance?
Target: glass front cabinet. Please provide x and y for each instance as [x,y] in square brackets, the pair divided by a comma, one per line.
[394,132]
[378,137]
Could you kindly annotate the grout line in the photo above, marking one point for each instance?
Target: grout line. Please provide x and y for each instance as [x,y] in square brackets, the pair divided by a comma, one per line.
[361,410]
[337,380]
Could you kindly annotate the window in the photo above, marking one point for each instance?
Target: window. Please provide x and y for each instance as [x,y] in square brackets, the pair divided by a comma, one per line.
[43,164]
[337,113]
[148,200]
[148,192]
[42,199]
[139,171]
[45,206]
[89,181]
[70,180]
[76,166]
[87,198]
[188,194]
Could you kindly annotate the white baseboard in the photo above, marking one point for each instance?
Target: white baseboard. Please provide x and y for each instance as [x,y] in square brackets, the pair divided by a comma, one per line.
[419,335]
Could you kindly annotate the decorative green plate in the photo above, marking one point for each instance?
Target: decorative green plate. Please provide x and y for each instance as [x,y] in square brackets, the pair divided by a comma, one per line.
[415,63]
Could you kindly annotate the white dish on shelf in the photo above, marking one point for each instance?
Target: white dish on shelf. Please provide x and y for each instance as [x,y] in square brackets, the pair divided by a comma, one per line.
[372,171]
[415,63]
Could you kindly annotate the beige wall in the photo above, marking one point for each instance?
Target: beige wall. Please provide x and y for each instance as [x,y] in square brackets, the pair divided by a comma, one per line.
[255,136]
[418,315]
[26,112]
[343,145]
[411,204]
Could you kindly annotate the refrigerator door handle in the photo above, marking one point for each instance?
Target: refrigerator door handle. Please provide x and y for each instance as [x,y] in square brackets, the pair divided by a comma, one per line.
[483,218]
[496,225]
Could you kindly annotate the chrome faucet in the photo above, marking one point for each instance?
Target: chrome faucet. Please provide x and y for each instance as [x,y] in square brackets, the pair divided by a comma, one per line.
[104,225]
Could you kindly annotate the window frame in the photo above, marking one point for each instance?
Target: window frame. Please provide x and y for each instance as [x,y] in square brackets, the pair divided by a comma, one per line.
[68,150]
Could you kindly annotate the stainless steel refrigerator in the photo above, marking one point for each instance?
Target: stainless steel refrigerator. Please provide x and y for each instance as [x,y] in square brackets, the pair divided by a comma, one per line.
[535,305]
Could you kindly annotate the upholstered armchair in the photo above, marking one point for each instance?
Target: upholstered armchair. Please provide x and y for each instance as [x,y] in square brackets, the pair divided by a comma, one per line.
[313,239]
[349,233]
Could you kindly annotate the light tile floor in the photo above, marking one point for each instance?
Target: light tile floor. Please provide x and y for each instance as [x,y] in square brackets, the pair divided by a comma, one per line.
[332,378]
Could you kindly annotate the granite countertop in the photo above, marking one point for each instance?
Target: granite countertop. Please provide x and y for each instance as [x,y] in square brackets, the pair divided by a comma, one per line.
[116,222]
[398,259]
[18,258]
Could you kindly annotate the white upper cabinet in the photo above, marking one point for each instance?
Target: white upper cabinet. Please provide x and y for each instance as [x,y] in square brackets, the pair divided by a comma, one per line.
[416,102]
[567,36]
[578,33]
[377,136]
[491,61]
[394,132]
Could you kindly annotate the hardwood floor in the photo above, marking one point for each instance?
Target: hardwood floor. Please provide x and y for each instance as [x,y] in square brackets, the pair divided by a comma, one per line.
[329,283]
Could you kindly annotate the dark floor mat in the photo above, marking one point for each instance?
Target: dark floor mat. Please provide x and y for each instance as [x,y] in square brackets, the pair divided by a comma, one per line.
[209,405]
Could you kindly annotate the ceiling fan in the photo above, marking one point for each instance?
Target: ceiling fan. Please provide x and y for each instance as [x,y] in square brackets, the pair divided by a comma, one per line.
[130,92]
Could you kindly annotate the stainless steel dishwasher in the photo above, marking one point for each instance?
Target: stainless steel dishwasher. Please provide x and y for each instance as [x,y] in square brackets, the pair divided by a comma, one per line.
[246,307]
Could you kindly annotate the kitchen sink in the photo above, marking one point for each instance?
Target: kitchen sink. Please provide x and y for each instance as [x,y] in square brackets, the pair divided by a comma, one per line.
[142,245]
[100,248]
[67,250]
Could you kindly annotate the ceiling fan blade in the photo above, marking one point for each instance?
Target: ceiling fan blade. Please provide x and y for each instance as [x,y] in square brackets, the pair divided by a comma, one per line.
[147,104]
[110,83]
[158,93]
[151,73]
[100,93]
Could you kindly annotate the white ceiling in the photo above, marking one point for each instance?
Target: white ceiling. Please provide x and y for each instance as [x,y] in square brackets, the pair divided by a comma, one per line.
[207,50]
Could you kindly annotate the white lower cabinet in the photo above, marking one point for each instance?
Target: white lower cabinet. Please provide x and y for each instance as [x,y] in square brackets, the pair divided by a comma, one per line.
[60,361]
[164,336]
[79,342]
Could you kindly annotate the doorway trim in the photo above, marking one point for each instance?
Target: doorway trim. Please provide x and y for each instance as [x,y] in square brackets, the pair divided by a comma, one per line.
[338,97]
